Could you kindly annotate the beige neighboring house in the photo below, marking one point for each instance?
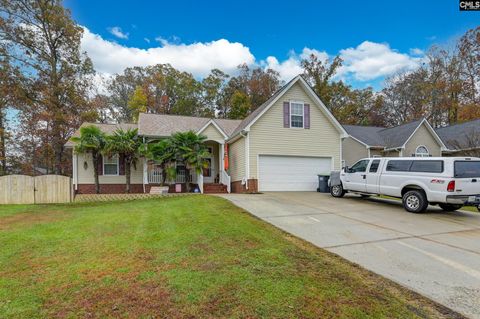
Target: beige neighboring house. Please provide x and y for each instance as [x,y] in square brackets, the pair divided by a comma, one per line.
[282,146]
[416,138]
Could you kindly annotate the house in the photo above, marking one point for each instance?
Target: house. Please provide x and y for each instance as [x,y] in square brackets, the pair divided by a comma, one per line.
[416,138]
[461,139]
[281,146]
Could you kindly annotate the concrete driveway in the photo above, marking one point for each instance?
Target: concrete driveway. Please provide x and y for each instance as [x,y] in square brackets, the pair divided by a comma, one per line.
[436,254]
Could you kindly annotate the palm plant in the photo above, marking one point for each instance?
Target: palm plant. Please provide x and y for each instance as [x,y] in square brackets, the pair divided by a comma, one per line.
[126,143]
[191,150]
[163,153]
[92,140]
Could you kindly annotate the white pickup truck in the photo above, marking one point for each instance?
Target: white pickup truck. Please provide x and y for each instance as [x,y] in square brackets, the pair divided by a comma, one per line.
[450,182]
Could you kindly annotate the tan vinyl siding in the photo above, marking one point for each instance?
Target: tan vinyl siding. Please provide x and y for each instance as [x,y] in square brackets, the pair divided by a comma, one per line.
[391,154]
[353,150]
[269,137]
[237,160]
[85,176]
[376,152]
[213,134]
[422,137]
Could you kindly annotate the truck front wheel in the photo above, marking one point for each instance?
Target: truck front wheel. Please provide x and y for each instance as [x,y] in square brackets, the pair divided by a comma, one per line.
[415,201]
[337,191]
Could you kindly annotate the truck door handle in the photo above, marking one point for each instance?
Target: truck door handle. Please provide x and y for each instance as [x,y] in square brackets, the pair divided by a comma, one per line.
[474,180]
[364,176]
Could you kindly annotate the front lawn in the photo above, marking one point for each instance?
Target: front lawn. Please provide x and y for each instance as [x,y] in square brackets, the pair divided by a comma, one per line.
[185,257]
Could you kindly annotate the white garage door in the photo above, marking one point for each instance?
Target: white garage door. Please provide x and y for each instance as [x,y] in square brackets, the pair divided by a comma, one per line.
[291,173]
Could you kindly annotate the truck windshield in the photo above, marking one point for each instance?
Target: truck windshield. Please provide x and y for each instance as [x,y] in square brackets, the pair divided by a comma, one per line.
[467,169]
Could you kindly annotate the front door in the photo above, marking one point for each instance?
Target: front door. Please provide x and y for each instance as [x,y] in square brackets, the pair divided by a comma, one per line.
[208,172]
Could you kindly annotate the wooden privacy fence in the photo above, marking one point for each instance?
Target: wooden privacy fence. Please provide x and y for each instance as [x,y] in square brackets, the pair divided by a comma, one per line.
[44,189]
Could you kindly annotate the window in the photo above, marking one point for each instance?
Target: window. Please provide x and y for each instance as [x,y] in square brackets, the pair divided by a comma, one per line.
[467,169]
[374,166]
[296,114]
[422,151]
[427,166]
[398,166]
[360,166]
[110,165]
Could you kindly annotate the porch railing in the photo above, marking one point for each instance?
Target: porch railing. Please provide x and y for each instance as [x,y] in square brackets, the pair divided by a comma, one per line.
[225,179]
[183,176]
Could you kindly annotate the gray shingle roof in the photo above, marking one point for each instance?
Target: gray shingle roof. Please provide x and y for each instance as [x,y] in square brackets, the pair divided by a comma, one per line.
[166,125]
[398,135]
[106,128]
[461,136]
[375,136]
[366,134]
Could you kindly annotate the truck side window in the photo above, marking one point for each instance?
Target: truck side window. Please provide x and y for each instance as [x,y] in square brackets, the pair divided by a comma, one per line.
[374,166]
[399,165]
[360,166]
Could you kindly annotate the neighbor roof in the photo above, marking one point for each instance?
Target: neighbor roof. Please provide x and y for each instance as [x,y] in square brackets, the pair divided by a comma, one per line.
[105,128]
[461,136]
[166,125]
[374,136]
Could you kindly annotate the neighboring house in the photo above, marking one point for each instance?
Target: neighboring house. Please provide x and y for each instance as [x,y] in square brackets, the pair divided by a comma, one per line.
[281,146]
[416,138]
[461,139]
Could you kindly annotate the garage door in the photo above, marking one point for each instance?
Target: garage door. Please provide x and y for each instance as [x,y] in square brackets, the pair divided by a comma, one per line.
[291,173]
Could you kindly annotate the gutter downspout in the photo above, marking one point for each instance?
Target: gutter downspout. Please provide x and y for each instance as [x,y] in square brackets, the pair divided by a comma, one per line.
[244,133]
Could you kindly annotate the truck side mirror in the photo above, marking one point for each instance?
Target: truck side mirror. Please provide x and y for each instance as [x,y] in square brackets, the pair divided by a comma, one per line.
[346,169]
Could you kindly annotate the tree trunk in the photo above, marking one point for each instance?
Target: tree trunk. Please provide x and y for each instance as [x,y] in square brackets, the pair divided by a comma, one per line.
[58,151]
[127,174]
[95,158]
[3,155]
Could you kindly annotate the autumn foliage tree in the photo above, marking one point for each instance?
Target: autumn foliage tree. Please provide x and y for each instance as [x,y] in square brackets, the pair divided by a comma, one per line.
[44,42]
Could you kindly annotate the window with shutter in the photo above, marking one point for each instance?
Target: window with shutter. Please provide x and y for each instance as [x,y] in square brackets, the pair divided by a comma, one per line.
[296,114]
[110,165]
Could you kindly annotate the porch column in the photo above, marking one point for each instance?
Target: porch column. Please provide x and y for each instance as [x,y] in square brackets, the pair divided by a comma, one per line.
[220,161]
[75,170]
[145,173]
[200,182]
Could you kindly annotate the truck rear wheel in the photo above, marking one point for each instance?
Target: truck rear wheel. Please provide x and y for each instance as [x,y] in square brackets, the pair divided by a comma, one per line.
[415,201]
[449,207]
[337,191]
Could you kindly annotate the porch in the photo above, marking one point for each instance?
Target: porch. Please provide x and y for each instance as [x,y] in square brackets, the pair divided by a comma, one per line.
[212,179]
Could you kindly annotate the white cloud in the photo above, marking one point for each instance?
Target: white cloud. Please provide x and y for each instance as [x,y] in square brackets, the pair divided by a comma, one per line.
[416,51]
[292,66]
[371,60]
[198,58]
[117,31]
[368,61]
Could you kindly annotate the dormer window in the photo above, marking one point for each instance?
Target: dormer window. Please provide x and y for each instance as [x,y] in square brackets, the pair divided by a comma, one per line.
[296,114]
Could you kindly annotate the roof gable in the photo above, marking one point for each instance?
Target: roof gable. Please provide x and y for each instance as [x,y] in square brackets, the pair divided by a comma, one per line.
[257,113]
[461,136]
[389,138]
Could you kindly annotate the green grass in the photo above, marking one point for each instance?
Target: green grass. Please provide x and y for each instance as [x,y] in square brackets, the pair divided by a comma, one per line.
[186,257]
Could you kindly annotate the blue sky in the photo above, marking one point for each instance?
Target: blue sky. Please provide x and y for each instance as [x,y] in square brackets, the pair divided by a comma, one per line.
[376,38]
